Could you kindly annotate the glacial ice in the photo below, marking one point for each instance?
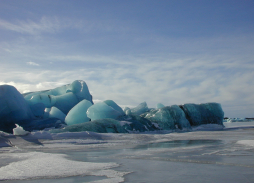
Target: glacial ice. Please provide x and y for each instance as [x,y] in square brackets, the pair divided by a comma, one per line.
[72,105]
[56,113]
[13,108]
[112,104]
[101,110]
[77,87]
[38,110]
[64,98]
[168,117]
[63,102]
[41,124]
[99,125]
[140,109]
[207,113]
[159,105]
[78,113]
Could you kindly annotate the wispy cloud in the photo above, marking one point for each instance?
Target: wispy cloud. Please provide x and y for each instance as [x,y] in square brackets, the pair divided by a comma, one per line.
[55,24]
[46,24]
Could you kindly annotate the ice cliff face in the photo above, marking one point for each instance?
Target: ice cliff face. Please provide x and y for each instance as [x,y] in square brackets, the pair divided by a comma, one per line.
[72,106]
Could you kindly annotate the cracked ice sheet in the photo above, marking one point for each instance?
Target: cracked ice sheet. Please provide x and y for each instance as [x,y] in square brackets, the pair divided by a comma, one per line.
[36,165]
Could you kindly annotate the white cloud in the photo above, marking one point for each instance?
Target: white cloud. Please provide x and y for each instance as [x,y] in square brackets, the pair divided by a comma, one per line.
[32,63]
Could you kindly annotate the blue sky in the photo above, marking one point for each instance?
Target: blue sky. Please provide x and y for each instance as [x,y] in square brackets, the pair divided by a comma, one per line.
[167,51]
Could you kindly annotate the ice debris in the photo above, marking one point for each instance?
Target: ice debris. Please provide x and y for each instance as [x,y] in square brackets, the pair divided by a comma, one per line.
[19,130]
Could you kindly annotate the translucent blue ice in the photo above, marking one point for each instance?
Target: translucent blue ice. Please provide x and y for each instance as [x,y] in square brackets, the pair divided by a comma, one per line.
[78,113]
[77,87]
[141,108]
[64,97]
[101,110]
[56,113]
[63,102]
[112,104]
[159,105]
[138,123]
[168,118]
[125,109]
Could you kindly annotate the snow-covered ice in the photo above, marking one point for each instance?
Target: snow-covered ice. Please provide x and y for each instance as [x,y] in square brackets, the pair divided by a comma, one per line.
[205,154]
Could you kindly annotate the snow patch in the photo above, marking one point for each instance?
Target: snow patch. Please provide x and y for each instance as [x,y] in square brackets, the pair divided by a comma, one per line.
[19,130]
[246,142]
[46,165]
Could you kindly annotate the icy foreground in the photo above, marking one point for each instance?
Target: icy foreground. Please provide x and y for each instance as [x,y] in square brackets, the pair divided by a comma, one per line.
[214,155]
[70,108]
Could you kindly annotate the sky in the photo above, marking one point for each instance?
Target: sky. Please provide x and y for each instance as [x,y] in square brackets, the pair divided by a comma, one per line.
[131,51]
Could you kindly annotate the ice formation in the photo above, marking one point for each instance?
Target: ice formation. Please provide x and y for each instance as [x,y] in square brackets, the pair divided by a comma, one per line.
[56,113]
[140,109]
[99,125]
[101,110]
[13,108]
[78,113]
[198,114]
[169,117]
[72,105]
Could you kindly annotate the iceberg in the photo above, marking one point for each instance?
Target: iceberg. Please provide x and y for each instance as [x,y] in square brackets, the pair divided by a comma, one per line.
[101,110]
[13,108]
[72,105]
[207,113]
[168,118]
[78,113]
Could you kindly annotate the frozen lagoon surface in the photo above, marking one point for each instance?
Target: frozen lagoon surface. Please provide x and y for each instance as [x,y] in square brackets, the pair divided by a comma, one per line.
[208,153]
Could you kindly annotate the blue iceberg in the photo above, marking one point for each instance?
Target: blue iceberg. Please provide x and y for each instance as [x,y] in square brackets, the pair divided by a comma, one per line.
[168,118]
[208,113]
[72,105]
[13,108]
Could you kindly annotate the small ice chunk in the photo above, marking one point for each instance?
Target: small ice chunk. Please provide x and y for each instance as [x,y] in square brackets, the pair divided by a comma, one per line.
[19,130]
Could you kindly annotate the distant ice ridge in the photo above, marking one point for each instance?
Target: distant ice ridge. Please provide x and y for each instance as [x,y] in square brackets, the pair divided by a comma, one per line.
[70,108]
[238,120]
